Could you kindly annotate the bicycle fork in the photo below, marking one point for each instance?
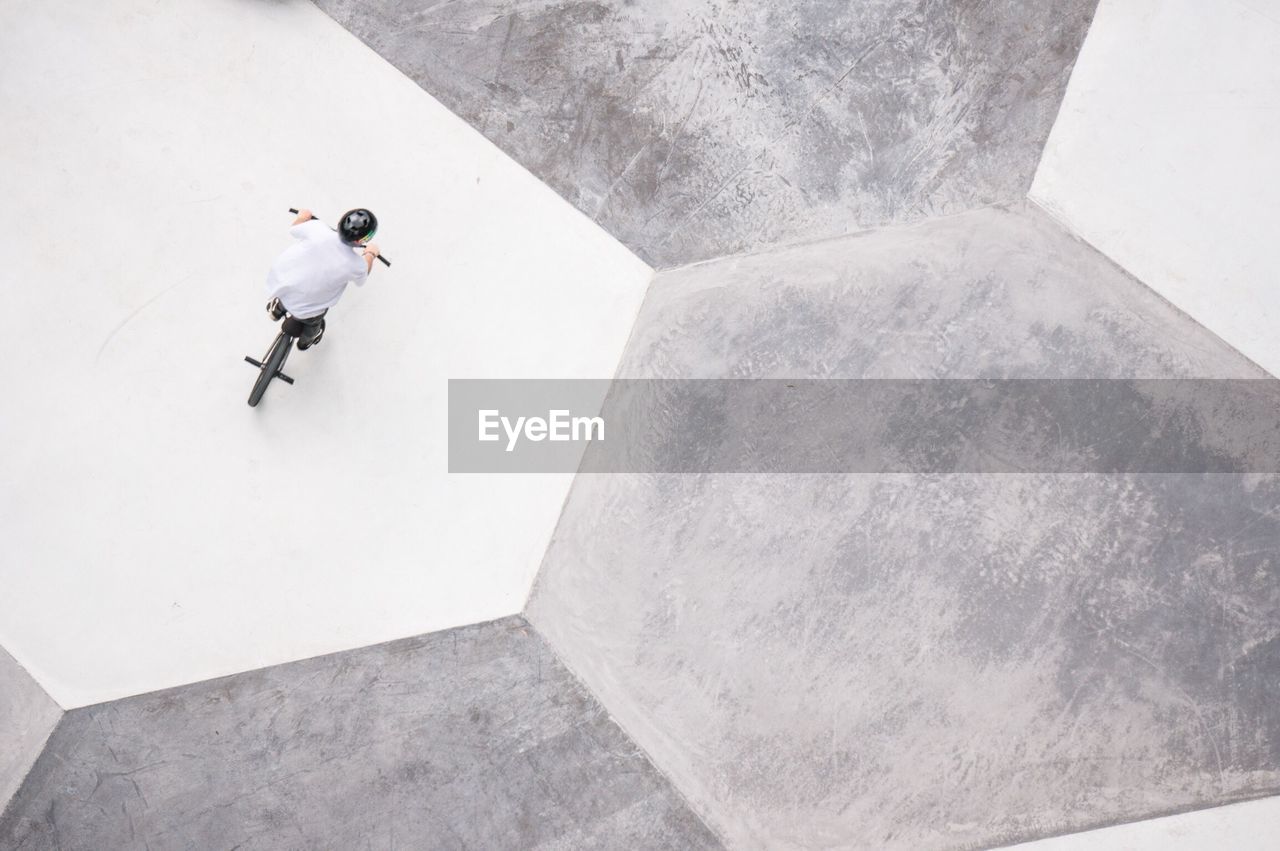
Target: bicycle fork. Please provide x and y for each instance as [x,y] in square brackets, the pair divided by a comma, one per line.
[280,370]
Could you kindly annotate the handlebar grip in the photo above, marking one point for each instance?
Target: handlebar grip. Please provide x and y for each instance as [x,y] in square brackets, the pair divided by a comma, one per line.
[293,210]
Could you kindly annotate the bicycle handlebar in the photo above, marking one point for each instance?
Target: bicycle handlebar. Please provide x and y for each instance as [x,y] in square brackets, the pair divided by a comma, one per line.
[385,261]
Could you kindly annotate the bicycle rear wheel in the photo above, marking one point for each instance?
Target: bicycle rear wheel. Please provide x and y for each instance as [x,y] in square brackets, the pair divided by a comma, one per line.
[271,365]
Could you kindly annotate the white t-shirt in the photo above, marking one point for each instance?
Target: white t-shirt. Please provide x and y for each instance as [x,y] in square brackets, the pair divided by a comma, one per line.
[310,277]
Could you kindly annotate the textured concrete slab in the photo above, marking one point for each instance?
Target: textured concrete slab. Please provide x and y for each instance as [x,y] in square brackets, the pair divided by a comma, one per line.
[27,717]
[996,293]
[471,738]
[927,661]
[693,129]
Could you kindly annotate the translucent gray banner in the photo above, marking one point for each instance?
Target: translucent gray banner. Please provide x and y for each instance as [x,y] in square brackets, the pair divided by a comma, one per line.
[865,426]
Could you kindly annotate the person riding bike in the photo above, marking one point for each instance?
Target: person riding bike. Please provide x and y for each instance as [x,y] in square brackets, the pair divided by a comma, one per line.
[310,276]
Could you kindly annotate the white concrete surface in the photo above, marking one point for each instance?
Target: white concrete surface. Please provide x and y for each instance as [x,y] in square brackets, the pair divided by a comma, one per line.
[1251,826]
[1164,157]
[156,529]
[27,717]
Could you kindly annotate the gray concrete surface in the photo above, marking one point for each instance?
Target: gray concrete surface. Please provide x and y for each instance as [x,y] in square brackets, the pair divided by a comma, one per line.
[692,129]
[27,717]
[469,738]
[1002,292]
[927,661]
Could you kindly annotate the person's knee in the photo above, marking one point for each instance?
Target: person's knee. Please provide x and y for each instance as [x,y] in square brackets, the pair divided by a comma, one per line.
[312,331]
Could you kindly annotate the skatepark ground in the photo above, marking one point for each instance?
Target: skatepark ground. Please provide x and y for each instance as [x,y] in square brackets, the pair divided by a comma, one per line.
[292,627]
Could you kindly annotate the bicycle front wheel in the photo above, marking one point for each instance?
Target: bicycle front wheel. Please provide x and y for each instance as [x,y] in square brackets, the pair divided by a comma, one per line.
[271,364]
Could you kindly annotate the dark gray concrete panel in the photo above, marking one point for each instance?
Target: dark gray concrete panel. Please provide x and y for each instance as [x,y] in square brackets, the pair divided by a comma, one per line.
[926,661]
[471,738]
[692,129]
[27,717]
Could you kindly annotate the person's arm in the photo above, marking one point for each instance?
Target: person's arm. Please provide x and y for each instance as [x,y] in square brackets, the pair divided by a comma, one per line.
[369,254]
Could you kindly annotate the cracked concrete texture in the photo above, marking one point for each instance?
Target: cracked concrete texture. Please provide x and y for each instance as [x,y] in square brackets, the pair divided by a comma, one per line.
[693,130]
[941,661]
[469,738]
[27,717]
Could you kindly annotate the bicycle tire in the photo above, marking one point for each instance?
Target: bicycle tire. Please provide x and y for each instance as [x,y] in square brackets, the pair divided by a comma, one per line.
[271,364]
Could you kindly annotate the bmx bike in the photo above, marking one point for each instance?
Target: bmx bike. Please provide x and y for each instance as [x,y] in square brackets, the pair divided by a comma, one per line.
[272,364]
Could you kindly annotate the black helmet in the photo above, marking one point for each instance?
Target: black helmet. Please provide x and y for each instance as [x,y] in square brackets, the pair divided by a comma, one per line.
[356,227]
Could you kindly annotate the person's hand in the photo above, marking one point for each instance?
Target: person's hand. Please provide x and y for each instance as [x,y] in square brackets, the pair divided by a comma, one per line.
[372,249]
[304,214]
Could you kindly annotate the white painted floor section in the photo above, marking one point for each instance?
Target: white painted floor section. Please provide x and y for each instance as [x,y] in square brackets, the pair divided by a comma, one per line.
[1251,826]
[156,530]
[1164,157]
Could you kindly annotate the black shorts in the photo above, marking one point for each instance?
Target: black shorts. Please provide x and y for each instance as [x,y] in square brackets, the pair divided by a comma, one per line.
[305,329]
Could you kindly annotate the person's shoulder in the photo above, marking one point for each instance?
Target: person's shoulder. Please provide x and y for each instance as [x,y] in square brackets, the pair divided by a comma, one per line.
[357,269]
[310,228]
